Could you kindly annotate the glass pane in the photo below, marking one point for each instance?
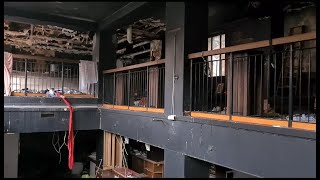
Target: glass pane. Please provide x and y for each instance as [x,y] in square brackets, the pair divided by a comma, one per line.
[223,56]
[223,68]
[223,41]
[216,42]
[216,65]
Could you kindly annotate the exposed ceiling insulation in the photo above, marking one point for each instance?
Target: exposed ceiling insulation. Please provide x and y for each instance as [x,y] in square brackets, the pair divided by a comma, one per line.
[145,34]
[142,43]
[142,30]
[297,6]
[47,40]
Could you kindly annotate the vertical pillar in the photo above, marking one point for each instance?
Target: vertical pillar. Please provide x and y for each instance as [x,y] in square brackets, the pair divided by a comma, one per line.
[186,32]
[107,56]
[178,165]
[195,168]
[11,154]
[173,164]
[99,147]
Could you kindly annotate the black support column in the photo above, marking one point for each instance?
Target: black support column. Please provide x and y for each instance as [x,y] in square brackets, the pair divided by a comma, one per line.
[178,165]
[195,168]
[107,56]
[186,32]
[173,164]
[11,154]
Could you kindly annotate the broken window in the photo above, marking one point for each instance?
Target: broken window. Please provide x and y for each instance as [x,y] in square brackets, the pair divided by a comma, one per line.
[217,65]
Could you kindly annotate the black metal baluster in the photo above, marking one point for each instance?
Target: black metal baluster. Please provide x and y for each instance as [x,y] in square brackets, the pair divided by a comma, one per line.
[190,85]
[26,77]
[290,89]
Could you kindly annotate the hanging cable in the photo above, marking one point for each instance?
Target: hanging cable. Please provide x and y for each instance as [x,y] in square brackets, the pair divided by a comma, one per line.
[124,151]
[173,77]
[58,150]
[98,168]
[70,135]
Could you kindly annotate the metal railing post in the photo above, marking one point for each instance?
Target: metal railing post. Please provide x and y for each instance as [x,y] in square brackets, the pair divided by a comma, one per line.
[148,100]
[26,77]
[62,79]
[114,89]
[290,89]
[191,86]
[103,90]
[129,88]
[231,87]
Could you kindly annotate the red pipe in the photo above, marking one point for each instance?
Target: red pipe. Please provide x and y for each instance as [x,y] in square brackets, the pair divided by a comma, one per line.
[70,135]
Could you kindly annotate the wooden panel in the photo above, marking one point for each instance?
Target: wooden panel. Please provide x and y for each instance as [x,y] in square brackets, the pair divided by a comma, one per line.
[132,108]
[259,121]
[140,109]
[79,95]
[153,166]
[44,95]
[118,152]
[210,116]
[151,63]
[109,106]
[255,45]
[123,172]
[121,107]
[113,150]
[42,58]
[104,150]
[108,149]
[28,94]
[305,126]
[152,174]
[156,110]
[256,121]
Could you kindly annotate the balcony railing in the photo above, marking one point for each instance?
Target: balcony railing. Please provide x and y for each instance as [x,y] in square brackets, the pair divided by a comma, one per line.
[33,77]
[133,87]
[267,80]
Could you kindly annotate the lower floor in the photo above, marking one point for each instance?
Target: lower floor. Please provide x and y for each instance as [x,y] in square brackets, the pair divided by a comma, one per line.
[32,155]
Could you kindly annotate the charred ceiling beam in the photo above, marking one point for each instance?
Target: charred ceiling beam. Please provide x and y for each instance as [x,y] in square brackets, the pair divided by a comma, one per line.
[124,11]
[18,15]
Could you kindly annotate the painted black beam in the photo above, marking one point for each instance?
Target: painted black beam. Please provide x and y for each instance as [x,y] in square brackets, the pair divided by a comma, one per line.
[24,121]
[195,168]
[173,164]
[258,153]
[124,11]
[43,101]
[22,16]
[183,36]
[107,56]
[178,165]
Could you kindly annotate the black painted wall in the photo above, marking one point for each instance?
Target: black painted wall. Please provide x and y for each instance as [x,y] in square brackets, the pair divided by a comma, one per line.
[107,56]
[255,151]
[183,36]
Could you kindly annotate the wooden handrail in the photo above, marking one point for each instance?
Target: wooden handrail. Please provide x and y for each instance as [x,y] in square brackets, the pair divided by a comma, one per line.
[255,45]
[42,58]
[151,63]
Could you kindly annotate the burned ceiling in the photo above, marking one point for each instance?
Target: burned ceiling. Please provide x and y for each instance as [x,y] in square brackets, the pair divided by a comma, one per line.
[140,41]
[49,41]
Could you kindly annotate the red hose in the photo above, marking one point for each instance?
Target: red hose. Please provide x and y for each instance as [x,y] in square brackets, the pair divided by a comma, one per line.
[70,135]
